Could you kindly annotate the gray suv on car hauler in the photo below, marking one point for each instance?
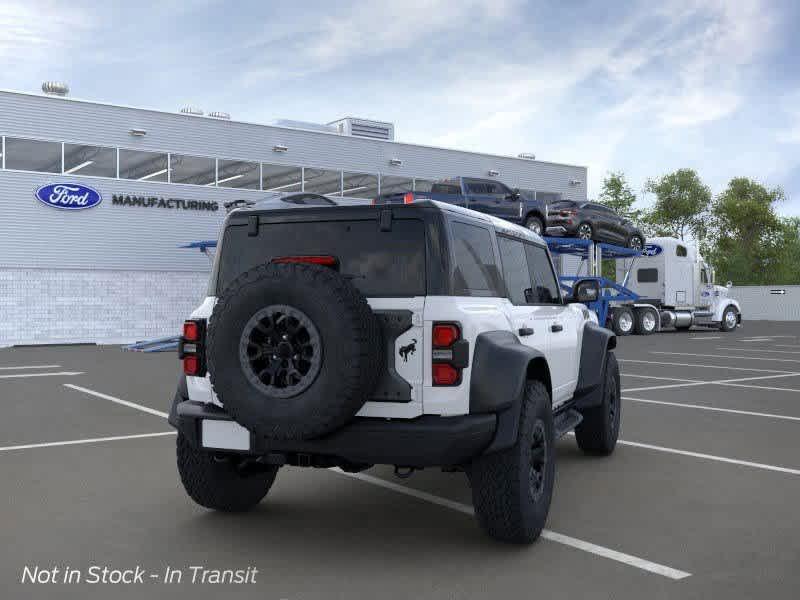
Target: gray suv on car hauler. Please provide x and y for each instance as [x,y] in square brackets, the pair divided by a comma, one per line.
[415,335]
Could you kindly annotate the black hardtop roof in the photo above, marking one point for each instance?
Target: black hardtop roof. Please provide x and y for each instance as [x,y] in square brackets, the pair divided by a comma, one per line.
[423,209]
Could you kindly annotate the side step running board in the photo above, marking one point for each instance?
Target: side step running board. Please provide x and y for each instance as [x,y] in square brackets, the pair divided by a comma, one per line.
[566,421]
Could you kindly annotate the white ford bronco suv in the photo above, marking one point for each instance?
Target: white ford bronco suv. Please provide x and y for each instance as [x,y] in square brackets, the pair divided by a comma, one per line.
[414,335]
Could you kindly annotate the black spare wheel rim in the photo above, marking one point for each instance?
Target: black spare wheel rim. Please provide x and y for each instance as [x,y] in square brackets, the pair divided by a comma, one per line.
[293,350]
[280,351]
[538,467]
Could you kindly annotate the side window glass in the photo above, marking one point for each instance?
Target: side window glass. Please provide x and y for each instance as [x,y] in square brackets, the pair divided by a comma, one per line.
[680,251]
[515,270]
[545,284]
[703,276]
[476,271]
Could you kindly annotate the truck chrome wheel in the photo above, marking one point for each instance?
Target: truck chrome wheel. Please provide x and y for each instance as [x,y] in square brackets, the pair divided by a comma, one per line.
[539,451]
[585,231]
[280,351]
[625,322]
[730,319]
[649,320]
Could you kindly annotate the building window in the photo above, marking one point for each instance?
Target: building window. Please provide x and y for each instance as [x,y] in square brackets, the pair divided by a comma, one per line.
[396,185]
[144,166]
[280,178]
[90,160]
[323,181]
[423,185]
[360,185]
[33,155]
[238,174]
[195,170]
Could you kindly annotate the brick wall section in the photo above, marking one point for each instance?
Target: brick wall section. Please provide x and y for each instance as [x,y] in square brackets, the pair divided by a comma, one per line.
[42,306]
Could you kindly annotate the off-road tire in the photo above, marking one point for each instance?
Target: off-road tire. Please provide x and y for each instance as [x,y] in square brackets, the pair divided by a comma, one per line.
[598,432]
[351,350]
[215,482]
[533,221]
[616,314]
[501,482]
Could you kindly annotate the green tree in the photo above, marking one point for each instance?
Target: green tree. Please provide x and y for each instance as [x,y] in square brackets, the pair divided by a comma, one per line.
[749,242]
[618,195]
[681,205]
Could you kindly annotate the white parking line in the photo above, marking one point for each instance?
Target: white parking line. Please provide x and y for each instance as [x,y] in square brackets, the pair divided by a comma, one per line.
[731,382]
[794,360]
[21,375]
[713,337]
[30,367]
[86,441]
[723,459]
[714,409]
[662,378]
[146,409]
[726,367]
[628,559]
[786,345]
[759,350]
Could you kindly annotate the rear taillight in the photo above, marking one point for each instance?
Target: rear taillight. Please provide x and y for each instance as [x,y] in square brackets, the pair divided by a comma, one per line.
[325,261]
[191,348]
[449,353]
[408,198]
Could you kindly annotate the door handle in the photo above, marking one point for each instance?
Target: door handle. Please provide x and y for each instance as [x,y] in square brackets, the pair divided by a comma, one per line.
[525,331]
[556,327]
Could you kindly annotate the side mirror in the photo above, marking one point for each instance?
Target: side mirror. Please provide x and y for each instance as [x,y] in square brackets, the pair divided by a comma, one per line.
[586,290]
[729,285]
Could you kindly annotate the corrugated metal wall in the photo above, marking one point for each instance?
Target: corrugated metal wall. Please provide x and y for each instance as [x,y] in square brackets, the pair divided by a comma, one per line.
[768,303]
[74,276]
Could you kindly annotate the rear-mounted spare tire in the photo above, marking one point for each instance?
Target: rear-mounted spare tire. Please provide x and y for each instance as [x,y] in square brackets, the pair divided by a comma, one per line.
[294,350]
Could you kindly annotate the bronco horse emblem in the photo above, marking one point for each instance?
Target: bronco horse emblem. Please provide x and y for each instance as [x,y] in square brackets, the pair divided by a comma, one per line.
[408,349]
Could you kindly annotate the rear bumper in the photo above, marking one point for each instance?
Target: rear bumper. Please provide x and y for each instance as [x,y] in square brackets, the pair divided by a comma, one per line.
[422,442]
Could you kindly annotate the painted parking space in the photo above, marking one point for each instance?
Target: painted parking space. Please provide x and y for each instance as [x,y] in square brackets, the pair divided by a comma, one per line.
[676,498]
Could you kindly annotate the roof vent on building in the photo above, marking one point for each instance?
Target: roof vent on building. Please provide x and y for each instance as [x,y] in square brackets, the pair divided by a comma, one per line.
[303,125]
[527,155]
[55,88]
[216,114]
[192,110]
[376,130]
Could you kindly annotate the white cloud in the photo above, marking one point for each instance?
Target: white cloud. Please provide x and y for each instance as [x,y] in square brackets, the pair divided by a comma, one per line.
[31,34]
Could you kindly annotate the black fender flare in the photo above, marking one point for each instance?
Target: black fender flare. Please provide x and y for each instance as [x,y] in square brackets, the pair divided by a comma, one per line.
[597,341]
[501,366]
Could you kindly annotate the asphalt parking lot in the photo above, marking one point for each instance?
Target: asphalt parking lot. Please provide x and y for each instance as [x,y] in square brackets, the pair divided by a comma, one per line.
[700,499]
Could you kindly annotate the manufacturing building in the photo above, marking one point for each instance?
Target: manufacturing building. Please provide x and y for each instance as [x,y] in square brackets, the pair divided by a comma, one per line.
[98,198]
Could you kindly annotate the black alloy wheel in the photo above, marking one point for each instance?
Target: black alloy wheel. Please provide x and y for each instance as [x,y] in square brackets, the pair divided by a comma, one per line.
[280,351]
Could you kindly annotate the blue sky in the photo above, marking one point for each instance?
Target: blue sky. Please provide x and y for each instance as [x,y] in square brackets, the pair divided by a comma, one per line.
[640,87]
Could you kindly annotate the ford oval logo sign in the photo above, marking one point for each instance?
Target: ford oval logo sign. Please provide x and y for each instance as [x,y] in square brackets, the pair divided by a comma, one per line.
[68,196]
[652,250]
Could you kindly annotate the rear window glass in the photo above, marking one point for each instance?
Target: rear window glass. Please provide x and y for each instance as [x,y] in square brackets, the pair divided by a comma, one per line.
[445,188]
[476,268]
[562,204]
[379,263]
[647,275]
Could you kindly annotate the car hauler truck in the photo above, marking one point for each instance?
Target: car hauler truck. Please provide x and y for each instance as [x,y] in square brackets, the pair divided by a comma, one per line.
[667,285]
